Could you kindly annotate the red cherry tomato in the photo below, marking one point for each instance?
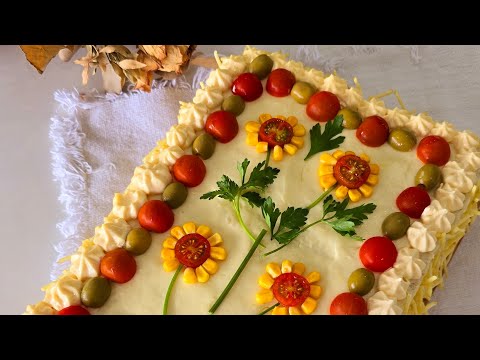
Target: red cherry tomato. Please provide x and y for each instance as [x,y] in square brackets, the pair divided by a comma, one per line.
[189,170]
[248,86]
[192,250]
[74,310]
[373,131]
[276,132]
[118,265]
[412,201]
[433,150]
[280,82]
[156,216]
[323,106]
[348,304]
[351,171]
[222,125]
[291,289]
[378,253]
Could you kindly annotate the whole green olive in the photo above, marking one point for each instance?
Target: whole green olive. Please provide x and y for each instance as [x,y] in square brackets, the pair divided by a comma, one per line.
[261,66]
[429,176]
[175,194]
[351,119]
[235,104]
[395,225]
[204,146]
[361,281]
[302,92]
[138,241]
[402,140]
[95,292]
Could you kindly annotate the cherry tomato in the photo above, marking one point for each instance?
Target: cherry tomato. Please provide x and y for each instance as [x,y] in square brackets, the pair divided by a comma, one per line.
[434,150]
[291,289]
[348,304]
[118,265]
[378,253]
[280,82]
[156,216]
[248,86]
[189,170]
[373,131]
[412,201]
[192,250]
[276,132]
[323,106]
[351,171]
[74,310]
[222,125]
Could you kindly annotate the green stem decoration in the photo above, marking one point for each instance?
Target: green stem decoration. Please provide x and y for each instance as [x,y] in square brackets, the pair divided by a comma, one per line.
[269,309]
[323,196]
[170,287]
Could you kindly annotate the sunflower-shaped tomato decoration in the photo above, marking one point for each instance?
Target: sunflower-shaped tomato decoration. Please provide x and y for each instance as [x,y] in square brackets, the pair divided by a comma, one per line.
[279,133]
[294,293]
[354,174]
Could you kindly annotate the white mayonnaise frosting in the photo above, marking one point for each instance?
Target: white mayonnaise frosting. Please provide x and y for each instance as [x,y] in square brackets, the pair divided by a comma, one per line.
[408,264]
[298,70]
[469,160]
[112,234]
[180,135]
[372,107]
[151,179]
[193,115]
[234,64]
[220,78]
[457,177]
[445,130]
[450,198]
[315,77]
[420,124]
[397,118]
[335,85]
[436,218]
[392,284]
[85,262]
[63,292]
[279,59]
[352,98]
[170,155]
[41,308]
[465,141]
[211,97]
[381,304]
[126,205]
[421,238]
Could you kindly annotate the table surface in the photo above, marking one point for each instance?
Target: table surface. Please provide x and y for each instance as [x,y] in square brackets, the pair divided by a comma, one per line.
[30,210]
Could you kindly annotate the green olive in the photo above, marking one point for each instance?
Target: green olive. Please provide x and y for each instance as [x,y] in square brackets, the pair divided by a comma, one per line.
[175,194]
[302,92]
[261,66]
[138,241]
[395,225]
[361,281]
[204,146]
[402,140]
[96,292]
[234,104]
[351,119]
[429,176]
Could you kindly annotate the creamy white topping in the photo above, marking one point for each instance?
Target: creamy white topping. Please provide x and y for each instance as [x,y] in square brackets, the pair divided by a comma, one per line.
[250,53]
[397,118]
[445,130]
[315,77]
[193,115]
[421,238]
[41,308]
[279,59]
[235,64]
[436,218]
[381,304]
[420,124]
[85,262]
[465,141]
[408,264]
[209,96]
[112,234]
[469,160]
[126,205]
[170,155]
[392,284]
[352,97]
[180,135]
[373,107]
[220,78]
[298,70]
[63,292]
[450,198]
[151,179]
[335,85]
[457,177]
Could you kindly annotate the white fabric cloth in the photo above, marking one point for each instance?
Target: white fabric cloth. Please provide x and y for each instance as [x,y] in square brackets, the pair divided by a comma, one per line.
[98,140]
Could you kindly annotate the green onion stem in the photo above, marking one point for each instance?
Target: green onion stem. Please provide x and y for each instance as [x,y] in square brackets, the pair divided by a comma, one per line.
[321,197]
[170,287]
[269,309]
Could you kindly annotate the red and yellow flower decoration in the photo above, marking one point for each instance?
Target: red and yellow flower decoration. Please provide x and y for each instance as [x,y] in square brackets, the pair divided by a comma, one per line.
[280,133]
[196,248]
[285,284]
[355,175]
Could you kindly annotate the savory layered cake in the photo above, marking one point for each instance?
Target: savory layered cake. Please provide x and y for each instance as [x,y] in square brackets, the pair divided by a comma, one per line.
[281,190]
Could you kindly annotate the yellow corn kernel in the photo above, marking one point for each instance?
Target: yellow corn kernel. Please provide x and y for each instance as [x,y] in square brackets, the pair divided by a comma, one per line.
[264,296]
[202,274]
[252,139]
[293,121]
[338,154]
[299,130]
[189,276]
[374,169]
[326,181]
[372,179]
[364,157]
[211,266]
[294,310]
[215,239]
[274,270]
[265,281]
[315,291]
[325,169]
[177,232]
[287,266]
[309,305]
[189,228]
[170,265]
[366,190]
[167,254]
[298,268]
[327,159]
[252,126]
[169,243]
[205,231]
[341,192]
[261,147]
[297,141]
[354,195]
[277,153]
[349,153]
[280,310]
[218,253]
[314,276]
[281,117]
[290,149]
[264,117]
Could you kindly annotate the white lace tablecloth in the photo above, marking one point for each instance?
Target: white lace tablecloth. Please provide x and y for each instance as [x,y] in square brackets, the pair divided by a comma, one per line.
[98,140]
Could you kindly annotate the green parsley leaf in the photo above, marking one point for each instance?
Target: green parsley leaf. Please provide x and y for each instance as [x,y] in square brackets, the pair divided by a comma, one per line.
[329,139]
[358,214]
[242,169]
[270,214]
[292,218]
[261,177]
[288,236]
[254,199]
[227,189]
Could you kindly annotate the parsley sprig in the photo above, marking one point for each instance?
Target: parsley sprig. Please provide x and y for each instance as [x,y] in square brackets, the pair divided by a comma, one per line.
[327,140]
